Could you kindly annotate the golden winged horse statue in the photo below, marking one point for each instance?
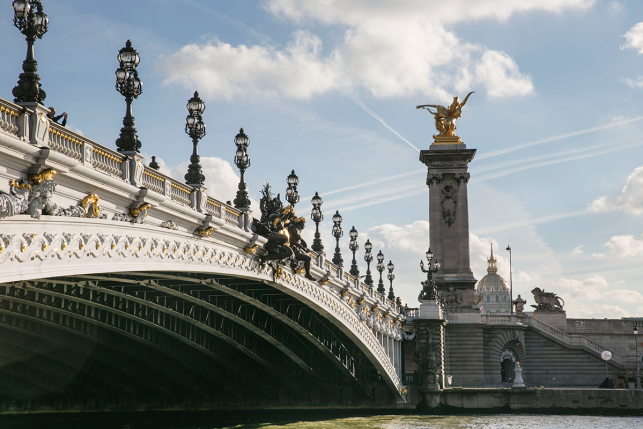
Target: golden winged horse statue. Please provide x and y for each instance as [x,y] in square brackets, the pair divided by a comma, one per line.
[445,116]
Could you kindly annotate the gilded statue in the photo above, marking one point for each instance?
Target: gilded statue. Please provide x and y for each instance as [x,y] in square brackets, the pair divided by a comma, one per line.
[445,116]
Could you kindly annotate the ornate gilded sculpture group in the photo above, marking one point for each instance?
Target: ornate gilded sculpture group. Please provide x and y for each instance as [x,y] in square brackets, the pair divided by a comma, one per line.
[281,226]
[445,117]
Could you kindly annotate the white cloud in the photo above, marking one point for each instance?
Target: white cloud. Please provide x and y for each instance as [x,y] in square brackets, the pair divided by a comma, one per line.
[578,250]
[625,246]
[624,296]
[411,238]
[390,49]
[629,200]
[634,38]
[638,83]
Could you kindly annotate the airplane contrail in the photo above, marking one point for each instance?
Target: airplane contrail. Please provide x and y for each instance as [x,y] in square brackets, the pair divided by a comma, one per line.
[357,101]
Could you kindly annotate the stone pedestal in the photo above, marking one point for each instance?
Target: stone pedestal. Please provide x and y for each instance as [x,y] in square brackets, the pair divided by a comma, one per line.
[429,351]
[557,319]
[430,309]
[38,123]
[447,178]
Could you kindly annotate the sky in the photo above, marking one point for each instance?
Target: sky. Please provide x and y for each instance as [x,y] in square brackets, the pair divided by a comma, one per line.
[329,88]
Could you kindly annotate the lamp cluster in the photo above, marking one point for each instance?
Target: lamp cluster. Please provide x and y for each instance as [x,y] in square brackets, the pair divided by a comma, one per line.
[354,247]
[337,233]
[429,290]
[32,22]
[292,196]
[195,128]
[317,216]
[242,161]
[130,87]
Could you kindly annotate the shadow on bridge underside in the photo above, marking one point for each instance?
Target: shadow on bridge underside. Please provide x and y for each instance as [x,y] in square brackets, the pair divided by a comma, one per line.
[164,340]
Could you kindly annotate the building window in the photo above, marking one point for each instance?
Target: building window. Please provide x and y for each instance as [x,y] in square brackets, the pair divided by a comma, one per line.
[497,298]
[488,297]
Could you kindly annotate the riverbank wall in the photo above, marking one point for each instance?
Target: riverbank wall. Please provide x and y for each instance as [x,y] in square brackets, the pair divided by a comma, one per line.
[467,400]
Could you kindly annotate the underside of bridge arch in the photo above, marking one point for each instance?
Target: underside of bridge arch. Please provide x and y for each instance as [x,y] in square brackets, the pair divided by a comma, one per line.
[164,340]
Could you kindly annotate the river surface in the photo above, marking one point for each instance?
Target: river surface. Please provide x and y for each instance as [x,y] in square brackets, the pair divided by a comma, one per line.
[275,421]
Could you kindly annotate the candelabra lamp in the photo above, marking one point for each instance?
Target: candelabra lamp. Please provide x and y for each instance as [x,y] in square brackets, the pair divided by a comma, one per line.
[380,268]
[429,291]
[195,128]
[391,277]
[29,18]
[368,257]
[317,216]
[354,247]
[242,161]
[292,196]
[130,87]
[337,233]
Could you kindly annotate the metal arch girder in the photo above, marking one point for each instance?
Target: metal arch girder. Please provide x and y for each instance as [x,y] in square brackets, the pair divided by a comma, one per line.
[121,331]
[268,337]
[272,311]
[170,353]
[120,354]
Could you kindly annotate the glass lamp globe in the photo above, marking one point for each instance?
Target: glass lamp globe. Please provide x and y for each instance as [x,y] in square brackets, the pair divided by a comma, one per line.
[390,266]
[292,179]
[368,246]
[380,257]
[242,139]
[317,200]
[429,254]
[337,218]
[21,8]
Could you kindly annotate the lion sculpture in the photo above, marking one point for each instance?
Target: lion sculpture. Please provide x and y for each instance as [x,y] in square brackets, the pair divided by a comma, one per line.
[547,301]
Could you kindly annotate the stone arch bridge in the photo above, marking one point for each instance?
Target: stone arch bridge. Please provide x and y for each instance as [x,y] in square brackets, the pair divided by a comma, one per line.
[122,288]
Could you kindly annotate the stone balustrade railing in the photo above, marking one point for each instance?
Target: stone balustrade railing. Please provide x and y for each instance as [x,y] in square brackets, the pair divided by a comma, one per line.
[603,325]
[9,114]
[80,150]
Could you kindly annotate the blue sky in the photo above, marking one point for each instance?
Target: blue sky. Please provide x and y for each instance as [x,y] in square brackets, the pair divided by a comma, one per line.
[329,88]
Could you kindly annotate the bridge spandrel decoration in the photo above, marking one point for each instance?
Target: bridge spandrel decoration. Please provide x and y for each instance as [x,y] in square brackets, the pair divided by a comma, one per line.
[80,209]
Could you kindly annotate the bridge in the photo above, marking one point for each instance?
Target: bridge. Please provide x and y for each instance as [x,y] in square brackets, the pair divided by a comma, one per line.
[121,287]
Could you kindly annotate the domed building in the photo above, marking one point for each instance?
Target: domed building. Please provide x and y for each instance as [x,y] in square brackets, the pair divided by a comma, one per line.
[494,290]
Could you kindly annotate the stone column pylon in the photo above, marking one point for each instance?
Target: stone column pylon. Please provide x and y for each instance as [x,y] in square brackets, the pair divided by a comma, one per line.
[447,179]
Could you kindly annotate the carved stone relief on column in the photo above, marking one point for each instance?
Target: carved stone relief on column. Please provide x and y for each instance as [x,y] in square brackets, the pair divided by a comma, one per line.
[449,203]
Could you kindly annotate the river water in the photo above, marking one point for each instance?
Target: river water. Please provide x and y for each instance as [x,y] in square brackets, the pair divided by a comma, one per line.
[319,421]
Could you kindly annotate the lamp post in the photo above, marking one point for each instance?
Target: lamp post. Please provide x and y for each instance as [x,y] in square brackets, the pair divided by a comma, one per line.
[32,22]
[391,277]
[292,196]
[317,216]
[638,370]
[130,87]
[368,257]
[337,233]
[195,128]
[428,286]
[354,247]
[511,283]
[380,268]
[242,161]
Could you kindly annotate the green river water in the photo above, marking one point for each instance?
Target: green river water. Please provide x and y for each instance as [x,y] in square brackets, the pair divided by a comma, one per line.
[321,421]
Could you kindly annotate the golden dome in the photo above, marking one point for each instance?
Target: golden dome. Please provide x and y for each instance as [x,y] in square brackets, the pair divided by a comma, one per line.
[492,282]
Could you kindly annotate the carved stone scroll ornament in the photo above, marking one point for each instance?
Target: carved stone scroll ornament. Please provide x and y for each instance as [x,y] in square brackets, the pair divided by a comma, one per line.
[462,177]
[136,215]
[433,178]
[169,224]
[449,203]
[31,197]
[82,210]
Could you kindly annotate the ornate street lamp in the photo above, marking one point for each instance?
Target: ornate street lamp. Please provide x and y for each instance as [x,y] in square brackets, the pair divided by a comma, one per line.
[317,216]
[429,291]
[354,247]
[337,233]
[391,277]
[638,370]
[195,128]
[292,196]
[380,268]
[130,87]
[32,22]
[242,160]
[511,283]
[368,257]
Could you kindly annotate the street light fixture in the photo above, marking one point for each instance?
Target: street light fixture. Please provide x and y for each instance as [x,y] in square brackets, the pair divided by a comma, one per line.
[292,196]
[317,216]
[354,247]
[429,290]
[337,233]
[391,277]
[242,161]
[130,87]
[511,283]
[638,369]
[368,257]
[32,22]
[380,268]
[195,128]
